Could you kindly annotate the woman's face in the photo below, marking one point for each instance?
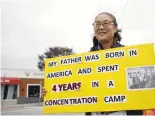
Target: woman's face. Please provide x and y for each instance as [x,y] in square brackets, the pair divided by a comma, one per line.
[105,32]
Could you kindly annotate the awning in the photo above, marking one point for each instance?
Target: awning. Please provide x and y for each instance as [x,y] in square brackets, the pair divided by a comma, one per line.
[9,80]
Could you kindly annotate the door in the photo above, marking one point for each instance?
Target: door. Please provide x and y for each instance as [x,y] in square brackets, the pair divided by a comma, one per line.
[33,90]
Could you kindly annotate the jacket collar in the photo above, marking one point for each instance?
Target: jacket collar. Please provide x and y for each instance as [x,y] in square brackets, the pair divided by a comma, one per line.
[115,45]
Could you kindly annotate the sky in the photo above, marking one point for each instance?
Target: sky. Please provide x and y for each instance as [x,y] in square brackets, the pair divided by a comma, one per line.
[30,27]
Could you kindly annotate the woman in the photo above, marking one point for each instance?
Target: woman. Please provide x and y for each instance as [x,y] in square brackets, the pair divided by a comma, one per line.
[106,36]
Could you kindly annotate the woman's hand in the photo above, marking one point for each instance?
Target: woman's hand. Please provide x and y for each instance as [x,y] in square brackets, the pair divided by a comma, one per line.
[44,91]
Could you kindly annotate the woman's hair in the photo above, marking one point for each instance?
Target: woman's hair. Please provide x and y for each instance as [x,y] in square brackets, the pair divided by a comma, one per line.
[117,35]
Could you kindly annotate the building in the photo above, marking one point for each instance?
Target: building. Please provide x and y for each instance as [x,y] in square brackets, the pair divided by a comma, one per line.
[21,85]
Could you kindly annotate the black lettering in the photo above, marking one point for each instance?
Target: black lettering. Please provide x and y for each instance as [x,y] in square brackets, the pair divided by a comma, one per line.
[55,102]
[80,71]
[116,67]
[46,103]
[89,100]
[79,101]
[71,60]
[48,75]
[61,62]
[122,98]
[62,101]
[84,71]
[116,98]
[116,54]
[107,68]
[97,56]
[71,101]
[92,57]
[79,59]
[50,102]
[50,64]
[110,99]
[94,100]
[59,74]
[70,73]
[59,102]
[65,61]
[133,53]
[105,99]
[95,84]
[74,101]
[53,75]
[110,84]
[106,55]
[83,100]
[66,101]
[87,58]
[110,68]
[99,69]
[122,54]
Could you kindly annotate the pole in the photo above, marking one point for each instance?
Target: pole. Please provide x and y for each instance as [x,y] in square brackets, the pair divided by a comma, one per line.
[40,92]
[3,90]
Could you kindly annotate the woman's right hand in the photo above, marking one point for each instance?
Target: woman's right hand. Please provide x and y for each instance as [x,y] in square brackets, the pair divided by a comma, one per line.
[44,91]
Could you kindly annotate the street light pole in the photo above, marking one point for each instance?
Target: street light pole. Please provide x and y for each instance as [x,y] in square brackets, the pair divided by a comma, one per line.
[3,90]
[40,92]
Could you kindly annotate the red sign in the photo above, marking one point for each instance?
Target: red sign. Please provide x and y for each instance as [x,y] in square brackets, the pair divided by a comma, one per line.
[9,80]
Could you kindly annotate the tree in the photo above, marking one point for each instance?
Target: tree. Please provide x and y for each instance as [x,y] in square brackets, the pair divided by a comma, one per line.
[51,53]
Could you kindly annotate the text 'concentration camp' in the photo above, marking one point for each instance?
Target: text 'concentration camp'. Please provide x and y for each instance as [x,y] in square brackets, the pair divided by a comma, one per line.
[115,99]
[72,101]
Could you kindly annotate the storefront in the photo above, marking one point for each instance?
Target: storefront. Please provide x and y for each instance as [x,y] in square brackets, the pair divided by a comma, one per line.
[9,88]
[16,84]
[30,87]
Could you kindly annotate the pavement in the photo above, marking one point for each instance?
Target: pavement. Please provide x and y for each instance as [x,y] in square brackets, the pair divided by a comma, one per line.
[10,106]
[29,109]
[33,110]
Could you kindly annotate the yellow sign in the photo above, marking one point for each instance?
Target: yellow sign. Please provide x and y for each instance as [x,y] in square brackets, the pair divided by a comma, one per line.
[108,80]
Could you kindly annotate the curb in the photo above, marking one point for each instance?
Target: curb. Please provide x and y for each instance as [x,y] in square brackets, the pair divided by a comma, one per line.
[5,108]
[17,107]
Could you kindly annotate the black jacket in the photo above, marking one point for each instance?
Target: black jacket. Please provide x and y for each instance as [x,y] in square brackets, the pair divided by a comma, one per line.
[116,44]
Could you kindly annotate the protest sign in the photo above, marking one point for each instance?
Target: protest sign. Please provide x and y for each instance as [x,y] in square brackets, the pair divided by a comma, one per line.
[108,80]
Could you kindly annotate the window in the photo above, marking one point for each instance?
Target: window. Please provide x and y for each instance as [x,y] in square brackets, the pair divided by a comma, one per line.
[9,92]
[33,90]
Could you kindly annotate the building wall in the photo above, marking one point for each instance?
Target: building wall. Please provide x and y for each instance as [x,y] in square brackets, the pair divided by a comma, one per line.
[22,74]
[20,79]
[25,81]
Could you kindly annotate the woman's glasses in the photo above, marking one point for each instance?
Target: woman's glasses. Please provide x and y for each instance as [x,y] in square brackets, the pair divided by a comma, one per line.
[105,23]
